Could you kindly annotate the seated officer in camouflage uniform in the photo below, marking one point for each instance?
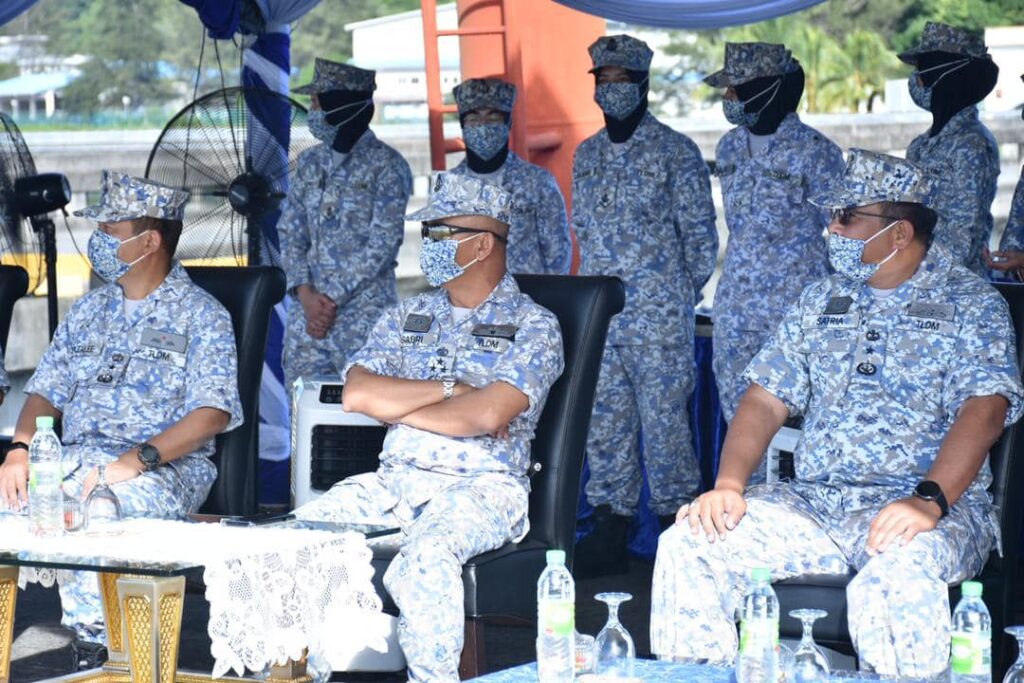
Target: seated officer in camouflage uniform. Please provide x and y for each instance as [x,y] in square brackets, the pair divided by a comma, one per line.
[461,375]
[143,372]
[903,364]
[341,227]
[538,239]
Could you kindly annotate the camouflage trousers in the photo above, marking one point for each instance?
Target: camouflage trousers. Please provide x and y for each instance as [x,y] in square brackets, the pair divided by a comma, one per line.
[170,491]
[445,521]
[898,605]
[643,390]
[310,358]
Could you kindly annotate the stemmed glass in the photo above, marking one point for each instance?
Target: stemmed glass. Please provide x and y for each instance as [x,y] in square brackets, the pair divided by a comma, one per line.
[810,665]
[615,650]
[101,506]
[1016,672]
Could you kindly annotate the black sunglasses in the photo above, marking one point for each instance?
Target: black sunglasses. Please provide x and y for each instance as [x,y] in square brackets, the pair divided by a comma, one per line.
[442,231]
[843,216]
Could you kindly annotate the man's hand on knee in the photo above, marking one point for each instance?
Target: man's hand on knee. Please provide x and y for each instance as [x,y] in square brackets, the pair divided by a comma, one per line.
[901,521]
[716,512]
[14,480]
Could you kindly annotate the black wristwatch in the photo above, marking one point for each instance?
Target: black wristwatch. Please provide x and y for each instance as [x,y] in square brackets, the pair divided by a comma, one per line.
[15,446]
[929,490]
[149,456]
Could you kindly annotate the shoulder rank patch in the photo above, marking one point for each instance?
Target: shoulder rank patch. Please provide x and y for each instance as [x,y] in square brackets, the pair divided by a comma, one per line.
[838,305]
[933,311]
[418,323]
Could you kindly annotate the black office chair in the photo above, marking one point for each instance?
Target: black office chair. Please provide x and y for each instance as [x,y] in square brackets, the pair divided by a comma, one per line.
[13,286]
[1000,573]
[249,294]
[503,582]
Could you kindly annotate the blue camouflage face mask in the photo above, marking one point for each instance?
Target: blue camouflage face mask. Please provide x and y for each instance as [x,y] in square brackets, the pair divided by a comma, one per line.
[103,255]
[921,95]
[618,100]
[847,256]
[437,260]
[735,110]
[316,120]
[486,140]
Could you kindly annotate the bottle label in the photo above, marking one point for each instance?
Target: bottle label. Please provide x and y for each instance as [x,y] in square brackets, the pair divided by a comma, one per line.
[757,633]
[971,652]
[49,473]
[557,617]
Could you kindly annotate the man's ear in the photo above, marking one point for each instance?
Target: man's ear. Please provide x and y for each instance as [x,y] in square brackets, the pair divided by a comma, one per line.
[904,233]
[154,241]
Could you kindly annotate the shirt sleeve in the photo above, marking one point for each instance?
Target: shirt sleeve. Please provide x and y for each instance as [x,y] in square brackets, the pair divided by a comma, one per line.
[781,366]
[54,378]
[212,364]
[553,227]
[534,361]
[293,230]
[972,183]
[985,362]
[1013,236]
[695,216]
[381,353]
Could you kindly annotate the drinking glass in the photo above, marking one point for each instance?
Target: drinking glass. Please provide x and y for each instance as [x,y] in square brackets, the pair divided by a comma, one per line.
[1016,672]
[101,506]
[810,665]
[615,650]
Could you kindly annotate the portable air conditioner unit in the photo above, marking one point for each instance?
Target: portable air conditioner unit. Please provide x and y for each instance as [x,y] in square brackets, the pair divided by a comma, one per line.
[328,444]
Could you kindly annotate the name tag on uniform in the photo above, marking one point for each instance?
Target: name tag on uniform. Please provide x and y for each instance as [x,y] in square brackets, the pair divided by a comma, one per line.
[494,338]
[416,328]
[165,341]
[933,311]
[838,305]
[825,321]
[175,358]
[86,349]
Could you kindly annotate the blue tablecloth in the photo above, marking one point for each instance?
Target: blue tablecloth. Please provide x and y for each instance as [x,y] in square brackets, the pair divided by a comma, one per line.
[652,671]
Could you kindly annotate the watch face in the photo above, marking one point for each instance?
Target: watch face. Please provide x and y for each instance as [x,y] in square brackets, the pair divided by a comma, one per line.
[928,489]
[149,455]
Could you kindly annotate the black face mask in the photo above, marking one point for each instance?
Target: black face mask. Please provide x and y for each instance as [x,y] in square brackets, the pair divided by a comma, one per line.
[621,130]
[956,90]
[351,111]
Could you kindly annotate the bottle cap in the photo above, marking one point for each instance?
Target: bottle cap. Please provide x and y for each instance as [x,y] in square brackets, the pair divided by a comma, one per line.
[971,589]
[556,557]
[761,574]
[44,422]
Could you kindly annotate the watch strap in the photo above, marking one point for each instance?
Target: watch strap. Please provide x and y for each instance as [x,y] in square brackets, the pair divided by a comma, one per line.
[16,446]
[448,386]
[939,498]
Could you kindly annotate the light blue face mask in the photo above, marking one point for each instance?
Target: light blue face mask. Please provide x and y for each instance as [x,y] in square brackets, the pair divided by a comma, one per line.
[486,140]
[847,256]
[103,256]
[437,260]
[618,100]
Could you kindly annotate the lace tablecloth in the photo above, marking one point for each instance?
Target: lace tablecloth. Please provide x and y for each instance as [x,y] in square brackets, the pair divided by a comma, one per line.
[651,671]
[272,591]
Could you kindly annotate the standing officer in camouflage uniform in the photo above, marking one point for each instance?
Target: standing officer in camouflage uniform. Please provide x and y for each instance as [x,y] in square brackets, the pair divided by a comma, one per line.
[642,211]
[904,366]
[461,375]
[538,239]
[953,72]
[342,226]
[1010,257]
[768,166]
[143,374]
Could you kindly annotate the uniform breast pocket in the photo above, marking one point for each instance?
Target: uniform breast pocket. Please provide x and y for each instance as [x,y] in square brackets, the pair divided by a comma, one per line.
[776,192]
[587,189]
[646,186]
[163,379]
[480,357]
[424,361]
[916,366]
[830,356]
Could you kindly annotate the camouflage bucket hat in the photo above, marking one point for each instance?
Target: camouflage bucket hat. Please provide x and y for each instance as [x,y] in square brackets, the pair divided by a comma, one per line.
[454,194]
[872,177]
[622,51]
[955,40]
[746,61]
[125,198]
[477,93]
[328,75]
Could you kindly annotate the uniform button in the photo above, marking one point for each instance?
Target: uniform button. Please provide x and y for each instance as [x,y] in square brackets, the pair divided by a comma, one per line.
[106,379]
[117,358]
[873,335]
[867,368]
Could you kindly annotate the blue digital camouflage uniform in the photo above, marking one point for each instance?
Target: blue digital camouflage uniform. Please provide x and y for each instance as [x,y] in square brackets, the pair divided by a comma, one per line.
[1013,235]
[879,382]
[454,498]
[643,211]
[775,246]
[340,232]
[121,380]
[963,159]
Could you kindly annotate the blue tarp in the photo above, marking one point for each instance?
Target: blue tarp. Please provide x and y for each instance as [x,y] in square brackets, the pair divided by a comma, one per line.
[692,14]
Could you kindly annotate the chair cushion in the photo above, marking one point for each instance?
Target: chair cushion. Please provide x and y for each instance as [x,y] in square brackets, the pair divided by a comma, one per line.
[816,591]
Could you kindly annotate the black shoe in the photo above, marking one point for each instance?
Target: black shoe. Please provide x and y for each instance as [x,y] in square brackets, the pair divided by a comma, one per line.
[603,552]
[86,655]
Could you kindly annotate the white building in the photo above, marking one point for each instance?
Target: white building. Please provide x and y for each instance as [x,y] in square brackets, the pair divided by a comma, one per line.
[1006,44]
[393,46]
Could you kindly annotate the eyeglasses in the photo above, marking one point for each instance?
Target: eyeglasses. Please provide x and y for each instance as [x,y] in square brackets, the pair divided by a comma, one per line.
[843,216]
[442,231]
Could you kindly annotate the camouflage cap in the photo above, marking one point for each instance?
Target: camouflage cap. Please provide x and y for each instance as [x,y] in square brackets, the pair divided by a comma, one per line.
[454,194]
[872,177]
[747,61]
[328,75]
[125,198]
[955,40]
[484,92]
[621,50]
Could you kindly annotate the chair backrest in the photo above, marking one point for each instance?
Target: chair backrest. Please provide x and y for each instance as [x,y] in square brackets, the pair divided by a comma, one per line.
[584,306]
[1005,459]
[13,286]
[249,295]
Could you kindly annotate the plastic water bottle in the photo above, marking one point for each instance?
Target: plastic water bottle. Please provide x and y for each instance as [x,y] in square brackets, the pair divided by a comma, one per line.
[970,659]
[758,658]
[556,621]
[45,475]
